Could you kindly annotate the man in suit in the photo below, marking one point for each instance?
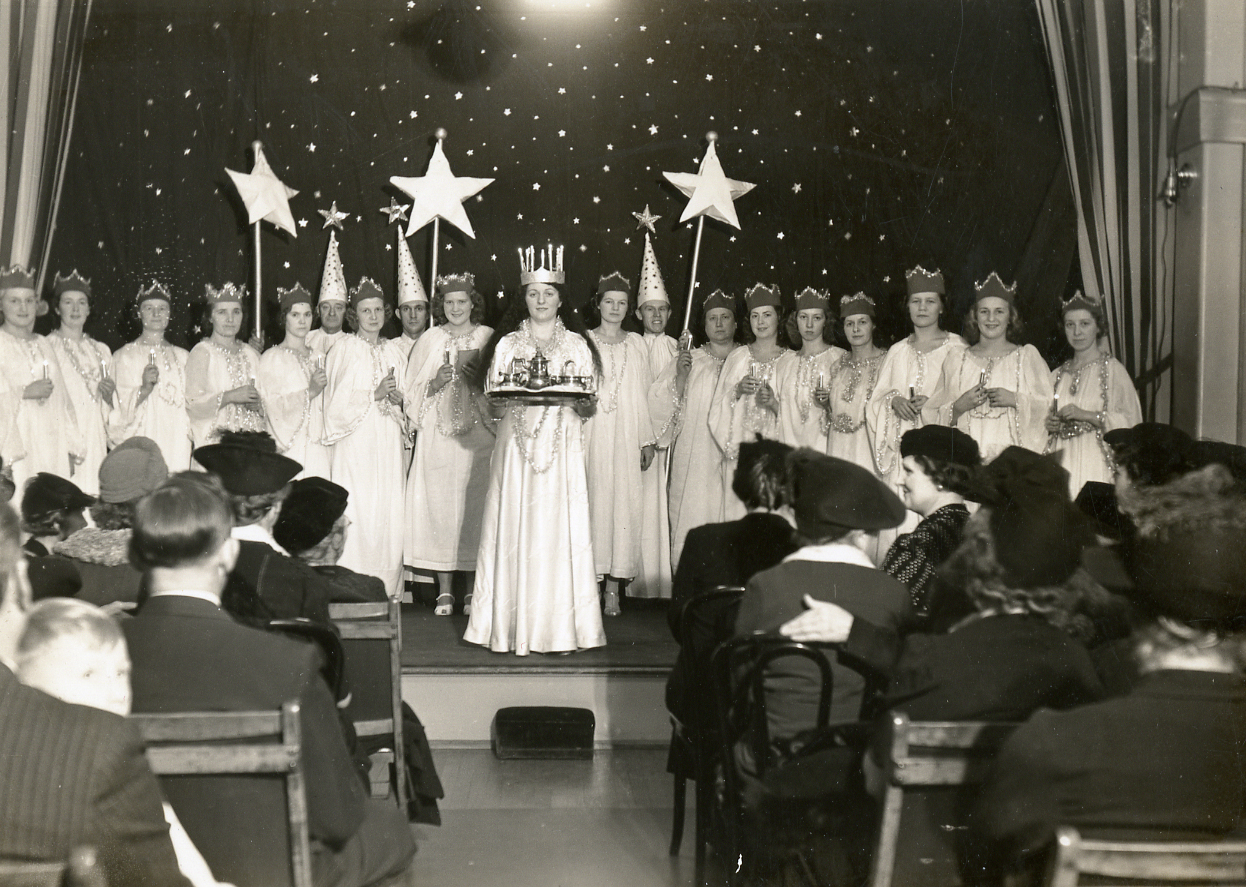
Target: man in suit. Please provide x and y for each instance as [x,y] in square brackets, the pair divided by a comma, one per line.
[189,655]
[70,775]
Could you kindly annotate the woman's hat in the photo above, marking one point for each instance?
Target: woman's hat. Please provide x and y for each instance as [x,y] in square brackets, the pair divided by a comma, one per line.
[811,299]
[761,296]
[308,513]
[919,280]
[941,443]
[856,304]
[718,299]
[247,470]
[227,293]
[1153,452]
[994,287]
[295,295]
[49,493]
[833,495]
[131,470]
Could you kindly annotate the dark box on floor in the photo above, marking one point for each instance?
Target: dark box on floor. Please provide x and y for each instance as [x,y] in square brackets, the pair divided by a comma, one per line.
[543,732]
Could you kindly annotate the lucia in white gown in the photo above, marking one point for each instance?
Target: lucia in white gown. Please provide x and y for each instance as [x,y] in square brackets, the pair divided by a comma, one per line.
[292,380]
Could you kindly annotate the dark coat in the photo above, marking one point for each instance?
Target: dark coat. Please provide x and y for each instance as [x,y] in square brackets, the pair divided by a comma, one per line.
[70,776]
[266,584]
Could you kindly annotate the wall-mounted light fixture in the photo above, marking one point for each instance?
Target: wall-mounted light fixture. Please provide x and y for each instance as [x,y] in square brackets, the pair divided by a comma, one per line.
[1176,181]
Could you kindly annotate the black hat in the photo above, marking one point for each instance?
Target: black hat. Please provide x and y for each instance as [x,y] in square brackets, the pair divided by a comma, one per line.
[1039,535]
[1215,452]
[941,443]
[832,495]
[49,493]
[1153,452]
[1097,500]
[309,511]
[246,470]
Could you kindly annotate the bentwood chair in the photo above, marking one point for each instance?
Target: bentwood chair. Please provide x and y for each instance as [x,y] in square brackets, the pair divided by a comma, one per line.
[1146,862]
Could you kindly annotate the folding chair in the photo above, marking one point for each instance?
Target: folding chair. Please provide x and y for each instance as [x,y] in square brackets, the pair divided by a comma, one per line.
[80,870]
[232,777]
[928,755]
[707,615]
[372,643]
[1146,862]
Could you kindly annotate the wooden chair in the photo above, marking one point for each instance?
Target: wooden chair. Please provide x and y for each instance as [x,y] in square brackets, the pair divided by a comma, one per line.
[1146,862]
[696,738]
[751,840]
[80,870]
[372,642]
[196,752]
[927,755]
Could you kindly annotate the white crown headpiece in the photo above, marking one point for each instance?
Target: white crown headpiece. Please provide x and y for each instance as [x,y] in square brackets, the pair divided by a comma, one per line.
[548,271]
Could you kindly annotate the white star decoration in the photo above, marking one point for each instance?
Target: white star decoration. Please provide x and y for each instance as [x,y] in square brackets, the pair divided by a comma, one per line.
[332,217]
[264,195]
[710,191]
[646,219]
[396,211]
[439,194]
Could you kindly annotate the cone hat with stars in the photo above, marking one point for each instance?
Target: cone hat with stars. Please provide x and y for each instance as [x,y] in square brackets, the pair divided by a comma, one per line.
[410,289]
[652,289]
[333,280]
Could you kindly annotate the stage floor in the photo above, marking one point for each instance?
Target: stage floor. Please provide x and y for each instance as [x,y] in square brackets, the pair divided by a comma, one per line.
[637,642]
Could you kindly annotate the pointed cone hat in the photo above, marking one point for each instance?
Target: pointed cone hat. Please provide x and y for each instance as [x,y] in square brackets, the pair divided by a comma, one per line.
[333,280]
[410,289]
[651,289]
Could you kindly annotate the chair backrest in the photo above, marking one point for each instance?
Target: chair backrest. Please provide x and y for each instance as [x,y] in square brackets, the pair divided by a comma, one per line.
[927,754]
[233,778]
[1146,862]
[704,622]
[80,870]
[372,642]
[324,637]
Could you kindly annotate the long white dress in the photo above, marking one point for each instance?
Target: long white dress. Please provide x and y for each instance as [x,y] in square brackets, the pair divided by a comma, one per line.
[321,342]
[735,419]
[903,368]
[613,440]
[450,475]
[297,418]
[800,417]
[536,582]
[1022,371]
[1102,386]
[83,364]
[366,459]
[162,415]
[852,388]
[654,580]
[211,371]
[35,435]
[697,463]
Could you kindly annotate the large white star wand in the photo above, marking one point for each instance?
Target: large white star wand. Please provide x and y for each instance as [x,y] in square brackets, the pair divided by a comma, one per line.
[266,198]
[711,194]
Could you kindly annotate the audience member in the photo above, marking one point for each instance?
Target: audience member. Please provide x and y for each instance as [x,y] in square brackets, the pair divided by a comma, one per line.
[100,553]
[1148,454]
[51,510]
[188,655]
[91,785]
[1166,761]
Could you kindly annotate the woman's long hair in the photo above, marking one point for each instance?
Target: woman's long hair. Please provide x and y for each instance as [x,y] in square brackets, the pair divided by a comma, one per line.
[516,313]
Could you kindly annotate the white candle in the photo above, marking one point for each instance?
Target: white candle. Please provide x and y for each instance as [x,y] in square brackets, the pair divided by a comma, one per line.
[45,369]
[151,358]
[821,380]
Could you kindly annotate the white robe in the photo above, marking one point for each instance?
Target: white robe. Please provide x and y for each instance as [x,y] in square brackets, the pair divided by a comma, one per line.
[449,478]
[83,364]
[366,459]
[211,371]
[536,582]
[852,388]
[297,418]
[1022,371]
[322,343]
[697,463]
[735,419]
[35,435]
[800,419]
[655,551]
[1102,387]
[162,415]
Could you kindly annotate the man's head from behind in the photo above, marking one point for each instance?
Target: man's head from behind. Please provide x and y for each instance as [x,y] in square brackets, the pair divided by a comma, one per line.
[184,527]
[75,651]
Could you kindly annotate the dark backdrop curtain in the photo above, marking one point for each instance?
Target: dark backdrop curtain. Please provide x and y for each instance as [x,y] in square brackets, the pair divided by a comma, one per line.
[40,87]
[1108,61]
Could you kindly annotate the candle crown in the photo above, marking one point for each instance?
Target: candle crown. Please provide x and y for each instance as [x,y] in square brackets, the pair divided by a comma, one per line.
[549,270]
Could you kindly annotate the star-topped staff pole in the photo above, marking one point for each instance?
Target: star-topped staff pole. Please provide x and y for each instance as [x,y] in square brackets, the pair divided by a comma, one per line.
[710,193]
[437,195]
[266,198]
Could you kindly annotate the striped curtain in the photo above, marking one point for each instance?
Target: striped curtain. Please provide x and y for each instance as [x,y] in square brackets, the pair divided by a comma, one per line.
[1109,60]
[40,87]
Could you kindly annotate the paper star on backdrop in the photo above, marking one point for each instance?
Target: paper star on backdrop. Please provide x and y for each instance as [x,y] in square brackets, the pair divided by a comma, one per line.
[710,190]
[646,219]
[396,211]
[264,195]
[439,194]
[332,217]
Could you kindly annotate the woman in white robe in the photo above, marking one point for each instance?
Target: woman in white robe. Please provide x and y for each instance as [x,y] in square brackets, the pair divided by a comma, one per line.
[38,429]
[745,403]
[151,385]
[851,387]
[536,580]
[800,418]
[1093,395]
[996,391]
[221,372]
[364,424]
[679,403]
[621,446]
[86,366]
[454,438]
[292,380]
